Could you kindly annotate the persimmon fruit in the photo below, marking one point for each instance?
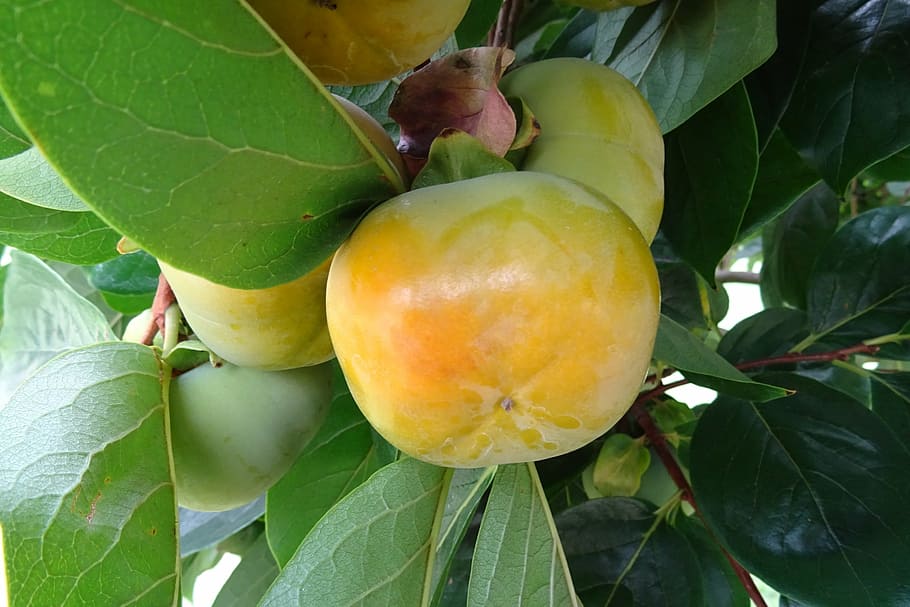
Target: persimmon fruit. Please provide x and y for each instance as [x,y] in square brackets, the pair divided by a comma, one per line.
[348,42]
[505,318]
[597,128]
[235,431]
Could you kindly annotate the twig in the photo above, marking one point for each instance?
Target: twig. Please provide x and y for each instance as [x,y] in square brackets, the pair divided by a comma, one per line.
[752,278]
[640,414]
[503,31]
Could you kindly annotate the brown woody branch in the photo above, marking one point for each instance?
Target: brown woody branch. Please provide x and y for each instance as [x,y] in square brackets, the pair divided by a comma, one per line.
[503,31]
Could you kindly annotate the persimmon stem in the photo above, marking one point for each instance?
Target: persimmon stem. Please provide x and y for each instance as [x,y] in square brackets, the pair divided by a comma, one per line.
[164,297]
[657,440]
[503,31]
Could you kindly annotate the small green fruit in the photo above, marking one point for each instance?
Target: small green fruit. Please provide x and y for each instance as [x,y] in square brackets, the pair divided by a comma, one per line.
[235,431]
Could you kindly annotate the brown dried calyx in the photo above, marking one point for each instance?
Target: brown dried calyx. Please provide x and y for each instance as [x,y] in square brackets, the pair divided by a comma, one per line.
[459,91]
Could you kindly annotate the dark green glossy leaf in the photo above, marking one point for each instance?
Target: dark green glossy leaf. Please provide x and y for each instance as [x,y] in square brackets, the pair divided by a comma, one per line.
[809,493]
[575,38]
[132,274]
[88,241]
[617,548]
[466,490]
[678,348]
[341,456]
[86,496]
[851,381]
[28,177]
[200,530]
[863,267]
[782,178]
[893,168]
[455,156]
[373,547]
[43,317]
[712,161]
[481,15]
[683,54]
[252,577]
[684,295]
[890,394]
[720,584]
[793,243]
[17,217]
[518,559]
[849,107]
[12,139]
[218,154]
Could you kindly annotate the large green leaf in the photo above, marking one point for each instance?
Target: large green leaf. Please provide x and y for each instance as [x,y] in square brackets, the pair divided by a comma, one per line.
[88,241]
[683,54]
[621,553]
[684,295]
[342,455]
[481,15]
[890,396]
[791,245]
[863,267]
[849,105]
[712,161]
[219,152]
[518,558]
[771,332]
[680,349]
[43,317]
[375,547]
[782,178]
[86,497]
[28,177]
[21,217]
[721,586]
[809,493]
[466,489]
[128,282]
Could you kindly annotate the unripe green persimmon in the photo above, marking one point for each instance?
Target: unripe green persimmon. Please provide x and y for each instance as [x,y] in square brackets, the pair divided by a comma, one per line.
[506,318]
[281,327]
[235,431]
[595,128]
[356,42]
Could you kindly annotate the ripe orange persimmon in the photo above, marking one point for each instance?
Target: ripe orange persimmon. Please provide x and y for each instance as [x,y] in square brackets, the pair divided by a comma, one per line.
[500,319]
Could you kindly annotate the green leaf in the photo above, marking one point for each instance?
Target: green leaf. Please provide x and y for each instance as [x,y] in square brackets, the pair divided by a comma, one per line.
[219,154]
[12,139]
[809,493]
[340,458]
[21,217]
[863,266]
[893,168]
[678,348]
[481,15]
[683,54]
[128,282]
[771,332]
[518,558]
[201,530]
[455,156]
[374,99]
[618,548]
[620,465]
[573,37]
[43,317]
[848,107]
[373,547]
[251,579]
[792,244]
[720,584]
[782,178]
[684,295]
[466,489]
[712,161]
[890,396]
[88,241]
[28,177]
[194,566]
[86,496]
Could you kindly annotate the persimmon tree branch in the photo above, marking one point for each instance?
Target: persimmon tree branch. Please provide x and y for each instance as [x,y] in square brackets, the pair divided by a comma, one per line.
[503,31]
[752,278]
[640,414]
